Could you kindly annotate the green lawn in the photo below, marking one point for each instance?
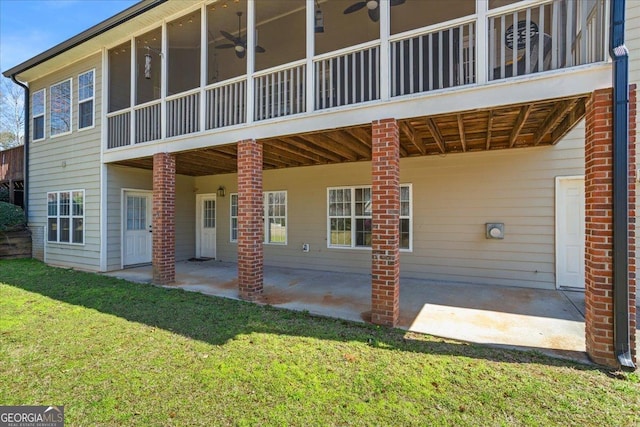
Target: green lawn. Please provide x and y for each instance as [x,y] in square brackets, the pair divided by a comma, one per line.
[117,353]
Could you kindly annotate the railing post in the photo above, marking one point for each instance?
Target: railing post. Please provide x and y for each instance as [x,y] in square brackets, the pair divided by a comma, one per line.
[132,95]
[482,41]
[203,66]
[385,28]
[163,83]
[251,58]
[311,35]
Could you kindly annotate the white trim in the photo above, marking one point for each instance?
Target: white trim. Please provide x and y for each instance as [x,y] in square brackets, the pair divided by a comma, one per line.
[558,179]
[103,167]
[251,62]
[91,99]
[198,227]
[354,217]
[123,218]
[51,135]
[266,217]
[70,216]
[231,216]
[43,114]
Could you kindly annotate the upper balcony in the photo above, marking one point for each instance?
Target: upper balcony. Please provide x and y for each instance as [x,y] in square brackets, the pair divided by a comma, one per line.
[194,75]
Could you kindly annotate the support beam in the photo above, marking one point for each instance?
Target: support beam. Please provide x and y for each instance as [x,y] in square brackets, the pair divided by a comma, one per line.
[250,223]
[555,116]
[413,136]
[163,221]
[385,228]
[463,139]
[437,136]
[520,121]
[489,125]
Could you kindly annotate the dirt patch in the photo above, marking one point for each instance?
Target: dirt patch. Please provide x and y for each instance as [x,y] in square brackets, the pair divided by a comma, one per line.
[274,298]
[231,284]
[294,282]
[329,299]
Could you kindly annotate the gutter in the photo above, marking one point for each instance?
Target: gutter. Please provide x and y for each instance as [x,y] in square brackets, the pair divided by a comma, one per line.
[27,123]
[86,35]
[620,55]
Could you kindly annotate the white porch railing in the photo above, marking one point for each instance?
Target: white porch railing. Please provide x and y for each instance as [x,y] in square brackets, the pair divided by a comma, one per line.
[183,114]
[118,129]
[147,122]
[280,92]
[347,77]
[226,104]
[435,59]
[547,36]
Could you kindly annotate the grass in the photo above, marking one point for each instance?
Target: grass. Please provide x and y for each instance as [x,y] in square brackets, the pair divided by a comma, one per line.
[117,353]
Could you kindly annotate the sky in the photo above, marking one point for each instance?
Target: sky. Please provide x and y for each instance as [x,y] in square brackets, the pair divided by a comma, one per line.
[29,27]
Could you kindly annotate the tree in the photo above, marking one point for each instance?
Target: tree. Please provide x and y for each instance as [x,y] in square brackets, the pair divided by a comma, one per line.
[11,114]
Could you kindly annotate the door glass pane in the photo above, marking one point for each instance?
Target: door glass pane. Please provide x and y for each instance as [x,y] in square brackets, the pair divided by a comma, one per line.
[136,212]
[209,214]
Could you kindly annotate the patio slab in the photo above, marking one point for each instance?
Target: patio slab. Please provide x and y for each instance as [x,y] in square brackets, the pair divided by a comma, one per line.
[548,321]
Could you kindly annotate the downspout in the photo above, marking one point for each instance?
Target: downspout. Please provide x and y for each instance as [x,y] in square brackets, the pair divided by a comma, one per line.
[27,121]
[620,55]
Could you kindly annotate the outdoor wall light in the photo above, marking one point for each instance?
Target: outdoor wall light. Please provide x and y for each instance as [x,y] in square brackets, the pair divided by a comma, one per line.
[222,191]
[494,230]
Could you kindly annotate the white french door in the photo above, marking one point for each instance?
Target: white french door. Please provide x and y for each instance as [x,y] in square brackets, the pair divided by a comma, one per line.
[206,228]
[137,237]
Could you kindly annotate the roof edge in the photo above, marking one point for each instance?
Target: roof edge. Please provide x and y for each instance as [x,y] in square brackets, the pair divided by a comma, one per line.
[84,36]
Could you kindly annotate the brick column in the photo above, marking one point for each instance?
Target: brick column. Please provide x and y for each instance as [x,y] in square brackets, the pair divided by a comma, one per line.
[385,233]
[250,219]
[599,313]
[164,230]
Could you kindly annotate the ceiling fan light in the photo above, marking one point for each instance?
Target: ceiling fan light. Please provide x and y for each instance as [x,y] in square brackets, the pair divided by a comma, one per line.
[239,48]
[372,4]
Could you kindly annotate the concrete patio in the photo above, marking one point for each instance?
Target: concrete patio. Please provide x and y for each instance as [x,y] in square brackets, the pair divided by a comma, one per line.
[548,321]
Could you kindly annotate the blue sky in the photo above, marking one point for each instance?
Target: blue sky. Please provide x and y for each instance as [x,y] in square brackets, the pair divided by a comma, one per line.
[29,27]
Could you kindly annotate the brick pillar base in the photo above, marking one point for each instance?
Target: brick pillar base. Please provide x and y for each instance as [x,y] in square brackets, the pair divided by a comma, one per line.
[385,233]
[164,231]
[250,222]
[599,312]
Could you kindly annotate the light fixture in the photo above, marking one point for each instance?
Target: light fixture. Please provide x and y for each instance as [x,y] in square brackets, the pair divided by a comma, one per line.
[147,61]
[319,21]
[372,4]
[221,191]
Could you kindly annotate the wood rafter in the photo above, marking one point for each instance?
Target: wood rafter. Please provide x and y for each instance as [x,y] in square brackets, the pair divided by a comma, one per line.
[551,121]
[463,139]
[361,135]
[575,115]
[301,144]
[437,136]
[525,110]
[489,125]
[413,136]
[347,148]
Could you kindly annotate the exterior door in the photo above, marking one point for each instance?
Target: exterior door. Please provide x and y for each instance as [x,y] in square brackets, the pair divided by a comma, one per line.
[570,234]
[137,228]
[206,231]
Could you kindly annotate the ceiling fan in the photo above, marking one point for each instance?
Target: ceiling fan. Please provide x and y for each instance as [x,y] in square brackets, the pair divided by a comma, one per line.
[239,44]
[373,8]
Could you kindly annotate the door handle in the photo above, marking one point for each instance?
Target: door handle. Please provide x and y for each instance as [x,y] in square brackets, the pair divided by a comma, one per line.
[151,229]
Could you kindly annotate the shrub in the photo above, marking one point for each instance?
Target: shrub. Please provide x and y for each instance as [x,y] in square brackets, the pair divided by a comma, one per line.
[4,194]
[11,217]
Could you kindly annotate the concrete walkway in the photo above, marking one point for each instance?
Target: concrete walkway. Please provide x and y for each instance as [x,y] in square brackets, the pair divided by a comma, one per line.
[548,321]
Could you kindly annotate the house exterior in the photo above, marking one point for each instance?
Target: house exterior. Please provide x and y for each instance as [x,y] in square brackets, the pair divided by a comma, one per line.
[12,174]
[460,141]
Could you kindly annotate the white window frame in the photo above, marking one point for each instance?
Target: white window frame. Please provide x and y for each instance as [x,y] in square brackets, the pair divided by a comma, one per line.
[353,218]
[43,114]
[266,217]
[90,99]
[51,109]
[71,216]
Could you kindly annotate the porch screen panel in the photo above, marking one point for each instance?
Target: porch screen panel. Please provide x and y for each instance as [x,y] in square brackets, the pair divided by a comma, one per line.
[183,36]
[120,77]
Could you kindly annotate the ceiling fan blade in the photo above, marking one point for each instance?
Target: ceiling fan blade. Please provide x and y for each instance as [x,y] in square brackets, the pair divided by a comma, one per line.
[355,7]
[230,36]
[260,49]
[225,46]
[241,54]
[374,14]
[397,2]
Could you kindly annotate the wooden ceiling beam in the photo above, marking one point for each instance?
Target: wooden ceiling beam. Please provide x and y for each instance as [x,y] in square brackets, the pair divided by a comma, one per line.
[525,110]
[489,125]
[310,147]
[463,139]
[553,119]
[437,136]
[282,145]
[575,115]
[361,135]
[336,147]
[285,155]
[413,136]
[352,144]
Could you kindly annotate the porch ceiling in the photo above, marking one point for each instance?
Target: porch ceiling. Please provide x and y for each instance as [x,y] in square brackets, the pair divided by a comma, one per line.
[513,126]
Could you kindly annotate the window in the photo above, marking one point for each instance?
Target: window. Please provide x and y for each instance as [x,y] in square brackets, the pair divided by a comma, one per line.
[349,217]
[86,94]
[65,217]
[61,108]
[234,218]
[275,217]
[38,110]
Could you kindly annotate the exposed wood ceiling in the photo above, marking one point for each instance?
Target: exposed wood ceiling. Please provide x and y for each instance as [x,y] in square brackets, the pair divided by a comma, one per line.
[504,127]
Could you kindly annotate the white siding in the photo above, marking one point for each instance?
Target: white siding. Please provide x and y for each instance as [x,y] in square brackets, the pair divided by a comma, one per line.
[68,162]
[453,197]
